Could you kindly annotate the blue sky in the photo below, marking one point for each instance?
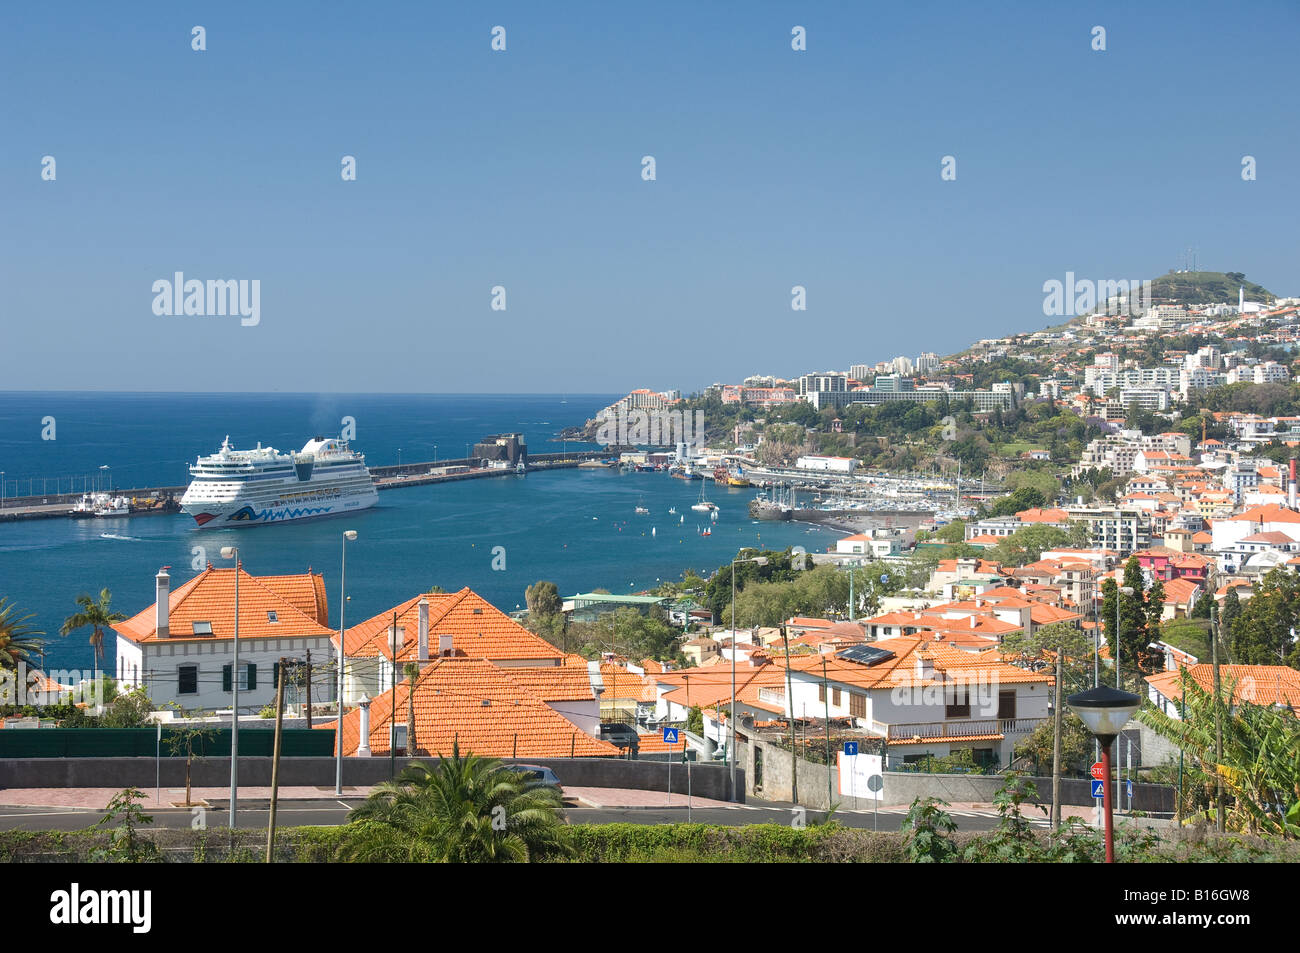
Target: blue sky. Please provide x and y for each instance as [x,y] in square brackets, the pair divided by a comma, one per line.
[522,169]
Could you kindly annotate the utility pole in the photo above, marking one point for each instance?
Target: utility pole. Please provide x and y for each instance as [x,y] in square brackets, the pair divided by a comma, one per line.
[275,760]
[309,688]
[789,694]
[1056,741]
[826,692]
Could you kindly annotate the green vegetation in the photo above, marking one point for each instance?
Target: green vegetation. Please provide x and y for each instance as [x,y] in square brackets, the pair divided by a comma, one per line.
[1259,768]
[96,613]
[1139,623]
[20,641]
[464,809]
[1260,632]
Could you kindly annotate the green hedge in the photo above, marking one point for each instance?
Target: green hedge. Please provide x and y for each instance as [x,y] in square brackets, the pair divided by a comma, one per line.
[619,843]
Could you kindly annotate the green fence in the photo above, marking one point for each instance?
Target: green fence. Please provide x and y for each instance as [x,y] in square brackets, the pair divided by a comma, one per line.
[142,743]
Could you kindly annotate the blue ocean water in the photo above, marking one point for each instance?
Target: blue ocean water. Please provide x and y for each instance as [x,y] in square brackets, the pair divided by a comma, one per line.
[577,528]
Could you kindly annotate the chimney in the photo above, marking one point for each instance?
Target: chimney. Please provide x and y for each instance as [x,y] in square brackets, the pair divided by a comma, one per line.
[446,647]
[162,605]
[363,746]
[924,666]
[972,621]
[423,644]
[1291,487]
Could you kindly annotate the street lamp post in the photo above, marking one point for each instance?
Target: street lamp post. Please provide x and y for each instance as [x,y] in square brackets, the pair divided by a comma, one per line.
[232,552]
[1105,711]
[348,536]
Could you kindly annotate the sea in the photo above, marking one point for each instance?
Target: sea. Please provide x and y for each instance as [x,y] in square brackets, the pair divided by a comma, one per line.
[497,535]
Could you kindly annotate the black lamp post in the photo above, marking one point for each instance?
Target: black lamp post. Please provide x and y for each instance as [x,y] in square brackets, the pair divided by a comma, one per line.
[1105,711]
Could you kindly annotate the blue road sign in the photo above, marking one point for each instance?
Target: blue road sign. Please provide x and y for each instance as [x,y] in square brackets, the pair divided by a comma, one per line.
[670,736]
[1098,789]
[1128,787]
[851,748]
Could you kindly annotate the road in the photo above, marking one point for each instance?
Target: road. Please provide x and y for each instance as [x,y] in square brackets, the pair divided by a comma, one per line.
[330,811]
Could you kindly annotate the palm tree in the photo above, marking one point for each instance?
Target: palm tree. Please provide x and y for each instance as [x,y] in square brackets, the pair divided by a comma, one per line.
[98,615]
[461,810]
[20,642]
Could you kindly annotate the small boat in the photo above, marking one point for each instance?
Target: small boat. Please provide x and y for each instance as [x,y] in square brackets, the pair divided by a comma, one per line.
[642,511]
[704,506]
[672,511]
[114,506]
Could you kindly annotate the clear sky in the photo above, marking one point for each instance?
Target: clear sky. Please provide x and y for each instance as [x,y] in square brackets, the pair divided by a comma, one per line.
[522,168]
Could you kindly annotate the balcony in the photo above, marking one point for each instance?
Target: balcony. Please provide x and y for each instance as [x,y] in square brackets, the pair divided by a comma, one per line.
[772,696]
[954,730]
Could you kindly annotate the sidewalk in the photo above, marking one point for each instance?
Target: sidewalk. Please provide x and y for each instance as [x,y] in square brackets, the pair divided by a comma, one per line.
[96,799]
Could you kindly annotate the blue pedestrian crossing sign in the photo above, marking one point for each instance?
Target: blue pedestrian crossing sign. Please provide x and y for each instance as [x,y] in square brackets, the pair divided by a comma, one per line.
[1128,787]
[1098,788]
[670,736]
[851,748]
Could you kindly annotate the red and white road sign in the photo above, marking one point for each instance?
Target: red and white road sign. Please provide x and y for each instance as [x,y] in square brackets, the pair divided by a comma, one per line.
[1098,772]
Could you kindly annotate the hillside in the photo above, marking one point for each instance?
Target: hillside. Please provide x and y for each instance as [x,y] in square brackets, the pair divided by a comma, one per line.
[1206,287]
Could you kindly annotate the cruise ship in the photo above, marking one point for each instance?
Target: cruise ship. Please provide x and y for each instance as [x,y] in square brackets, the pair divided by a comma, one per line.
[234,488]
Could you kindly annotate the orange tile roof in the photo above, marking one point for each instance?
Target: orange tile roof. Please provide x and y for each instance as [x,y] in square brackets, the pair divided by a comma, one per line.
[568,682]
[654,743]
[210,597]
[477,628]
[482,707]
[1260,684]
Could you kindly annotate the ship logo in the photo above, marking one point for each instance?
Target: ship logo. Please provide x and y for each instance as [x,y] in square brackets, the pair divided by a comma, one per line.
[244,513]
[247,513]
[202,518]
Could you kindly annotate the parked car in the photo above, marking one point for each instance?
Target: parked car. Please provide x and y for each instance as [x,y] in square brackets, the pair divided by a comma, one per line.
[537,772]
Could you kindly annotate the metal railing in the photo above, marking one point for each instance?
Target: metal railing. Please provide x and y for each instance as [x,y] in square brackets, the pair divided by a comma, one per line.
[954,729]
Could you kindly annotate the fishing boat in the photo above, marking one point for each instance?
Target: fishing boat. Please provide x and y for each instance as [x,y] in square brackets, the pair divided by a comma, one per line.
[113,506]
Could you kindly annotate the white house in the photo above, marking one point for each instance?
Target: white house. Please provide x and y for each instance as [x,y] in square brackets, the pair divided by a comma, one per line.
[181,649]
[924,699]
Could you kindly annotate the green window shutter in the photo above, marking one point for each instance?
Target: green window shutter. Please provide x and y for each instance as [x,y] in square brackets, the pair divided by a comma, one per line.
[225,678]
[252,676]
[275,675]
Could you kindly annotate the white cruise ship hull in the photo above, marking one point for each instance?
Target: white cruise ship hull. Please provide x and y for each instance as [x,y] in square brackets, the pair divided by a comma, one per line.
[232,488]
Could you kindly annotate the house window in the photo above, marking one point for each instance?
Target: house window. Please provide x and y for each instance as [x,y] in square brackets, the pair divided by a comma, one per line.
[835,697]
[857,705]
[959,707]
[187,678]
[247,677]
[821,692]
[270,616]
[201,628]
[1007,704]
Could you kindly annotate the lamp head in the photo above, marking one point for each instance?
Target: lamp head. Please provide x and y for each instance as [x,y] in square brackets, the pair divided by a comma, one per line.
[1104,710]
[349,534]
[228,552]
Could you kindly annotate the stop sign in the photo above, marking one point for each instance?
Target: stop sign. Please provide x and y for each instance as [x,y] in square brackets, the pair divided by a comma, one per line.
[1098,772]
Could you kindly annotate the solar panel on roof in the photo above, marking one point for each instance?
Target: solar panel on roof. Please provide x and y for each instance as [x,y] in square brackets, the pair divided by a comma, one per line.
[865,655]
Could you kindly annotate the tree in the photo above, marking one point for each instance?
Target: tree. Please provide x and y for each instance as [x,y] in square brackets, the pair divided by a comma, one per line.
[464,809]
[185,738]
[412,672]
[20,641]
[130,710]
[122,818]
[1259,633]
[1027,544]
[96,614]
[543,597]
[1136,611]
[695,720]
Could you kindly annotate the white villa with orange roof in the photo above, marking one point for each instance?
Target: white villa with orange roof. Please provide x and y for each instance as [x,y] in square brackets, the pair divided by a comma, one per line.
[181,649]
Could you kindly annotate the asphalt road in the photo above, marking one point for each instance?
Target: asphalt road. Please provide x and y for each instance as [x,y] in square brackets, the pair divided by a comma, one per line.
[329,811]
